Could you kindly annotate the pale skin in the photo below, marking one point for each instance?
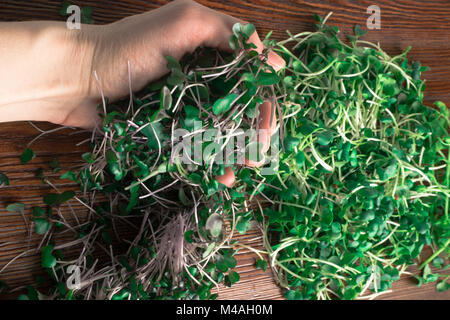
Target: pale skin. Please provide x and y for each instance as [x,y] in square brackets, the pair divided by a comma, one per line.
[47,70]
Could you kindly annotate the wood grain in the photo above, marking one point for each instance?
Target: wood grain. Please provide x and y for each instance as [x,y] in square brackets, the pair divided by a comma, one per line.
[425,25]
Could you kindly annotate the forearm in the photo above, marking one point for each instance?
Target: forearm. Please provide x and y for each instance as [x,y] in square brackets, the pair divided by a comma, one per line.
[45,70]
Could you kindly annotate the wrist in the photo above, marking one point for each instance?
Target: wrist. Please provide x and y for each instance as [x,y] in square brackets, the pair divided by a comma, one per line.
[73,81]
[81,48]
[46,70]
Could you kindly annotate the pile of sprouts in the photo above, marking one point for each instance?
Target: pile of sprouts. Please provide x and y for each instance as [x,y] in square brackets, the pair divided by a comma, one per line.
[355,185]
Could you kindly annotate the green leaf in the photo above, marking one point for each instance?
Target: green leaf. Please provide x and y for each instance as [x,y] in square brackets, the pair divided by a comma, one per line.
[428,276]
[38,211]
[155,134]
[86,15]
[248,77]
[306,127]
[248,30]
[234,42]
[164,104]
[51,199]
[438,262]
[359,32]
[166,99]
[209,249]
[336,227]
[69,175]
[390,87]
[188,236]
[242,226]
[134,198]
[41,226]
[225,262]
[16,207]
[350,294]
[231,278]
[4,180]
[327,217]
[389,172]
[172,63]
[419,280]
[65,4]
[56,199]
[211,188]
[54,164]
[48,260]
[192,117]
[27,156]
[267,78]
[261,264]
[353,158]
[237,29]
[443,286]
[214,224]
[65,196]
[124,294]
[235,195]
[325,138]
[300,158]
[195,178]
[290,143]
[88,157]
[176,77]
[223,105]
[293,295]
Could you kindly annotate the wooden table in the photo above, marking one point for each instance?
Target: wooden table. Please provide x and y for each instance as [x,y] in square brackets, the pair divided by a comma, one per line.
[425,25]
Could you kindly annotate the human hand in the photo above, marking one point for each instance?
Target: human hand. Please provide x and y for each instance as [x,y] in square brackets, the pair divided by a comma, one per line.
[48,70]
[144,40]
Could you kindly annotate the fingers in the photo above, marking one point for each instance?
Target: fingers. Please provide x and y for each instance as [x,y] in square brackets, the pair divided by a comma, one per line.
[267,126]
[267,118]
[223,25]
[275,61]
[254,164]
[228,178]
[216,30]
[220,39]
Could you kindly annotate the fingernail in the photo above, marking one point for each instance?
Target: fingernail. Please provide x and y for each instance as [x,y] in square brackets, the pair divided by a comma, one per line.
[254,164]
[275,61]
[254,38]
[264,138]
[265,115]
[228,178]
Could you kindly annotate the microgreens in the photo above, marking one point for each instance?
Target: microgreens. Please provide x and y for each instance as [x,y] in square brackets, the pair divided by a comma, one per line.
[361,187]
[363,182]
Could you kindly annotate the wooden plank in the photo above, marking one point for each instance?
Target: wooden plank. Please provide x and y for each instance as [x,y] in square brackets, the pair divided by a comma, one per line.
[425,25]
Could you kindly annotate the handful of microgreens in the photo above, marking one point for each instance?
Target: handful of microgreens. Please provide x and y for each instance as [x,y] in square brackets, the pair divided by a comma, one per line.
[360,185]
